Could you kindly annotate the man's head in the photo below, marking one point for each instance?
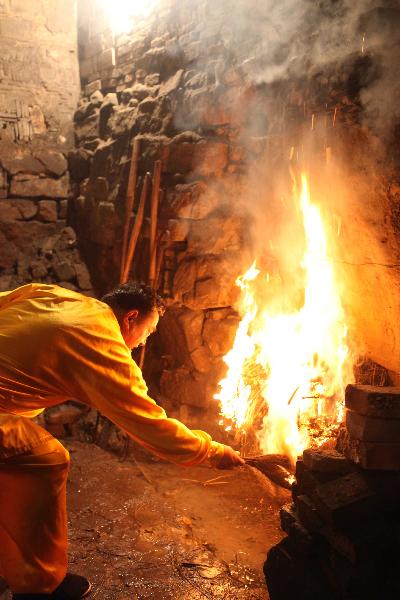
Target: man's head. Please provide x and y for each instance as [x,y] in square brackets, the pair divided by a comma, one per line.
[138,309]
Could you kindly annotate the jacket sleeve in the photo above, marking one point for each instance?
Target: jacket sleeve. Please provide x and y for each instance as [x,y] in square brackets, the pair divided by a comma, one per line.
[98,369]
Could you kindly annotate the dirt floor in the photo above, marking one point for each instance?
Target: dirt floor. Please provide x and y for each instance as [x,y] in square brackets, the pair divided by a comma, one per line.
[145,529]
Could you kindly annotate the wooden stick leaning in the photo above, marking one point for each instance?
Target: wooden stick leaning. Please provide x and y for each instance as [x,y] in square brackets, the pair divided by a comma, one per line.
[130,201]
[155,193]
[128,250]
[135,230]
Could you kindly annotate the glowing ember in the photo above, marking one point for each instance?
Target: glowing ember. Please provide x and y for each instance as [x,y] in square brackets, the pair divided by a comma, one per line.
[286,372]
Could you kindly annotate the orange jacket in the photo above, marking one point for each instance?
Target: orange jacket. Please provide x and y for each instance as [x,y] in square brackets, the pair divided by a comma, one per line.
[56,344]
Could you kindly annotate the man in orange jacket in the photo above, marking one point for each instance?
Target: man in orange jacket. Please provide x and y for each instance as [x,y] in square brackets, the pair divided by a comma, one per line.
[55,345]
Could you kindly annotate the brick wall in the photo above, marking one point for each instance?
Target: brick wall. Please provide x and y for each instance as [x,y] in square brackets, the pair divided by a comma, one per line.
[39,88]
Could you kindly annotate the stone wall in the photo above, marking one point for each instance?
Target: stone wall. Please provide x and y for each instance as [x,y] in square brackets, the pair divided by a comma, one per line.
[232,104]
[39,88]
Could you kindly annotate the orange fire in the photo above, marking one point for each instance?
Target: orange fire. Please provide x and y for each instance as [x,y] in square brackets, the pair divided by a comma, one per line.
[298,363]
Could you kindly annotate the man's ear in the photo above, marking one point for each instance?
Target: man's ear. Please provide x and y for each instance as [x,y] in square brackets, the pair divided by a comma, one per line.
[131,315]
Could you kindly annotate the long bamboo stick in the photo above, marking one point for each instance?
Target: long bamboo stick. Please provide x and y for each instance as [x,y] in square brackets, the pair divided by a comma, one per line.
[155,193]
[130,200]
[135,230]
[153,222]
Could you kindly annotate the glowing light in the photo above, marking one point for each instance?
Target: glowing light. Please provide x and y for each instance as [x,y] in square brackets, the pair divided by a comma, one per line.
[297,363]
[234,393]
[122,13]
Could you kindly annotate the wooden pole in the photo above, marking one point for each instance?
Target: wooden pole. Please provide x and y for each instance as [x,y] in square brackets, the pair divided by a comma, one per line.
[130,201]
[136,230]
[155,193]
[153,222]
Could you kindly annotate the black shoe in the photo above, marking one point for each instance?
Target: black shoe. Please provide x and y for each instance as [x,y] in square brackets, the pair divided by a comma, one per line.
[73,587]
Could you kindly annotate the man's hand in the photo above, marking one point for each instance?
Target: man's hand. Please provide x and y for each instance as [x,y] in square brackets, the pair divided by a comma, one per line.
[230,459]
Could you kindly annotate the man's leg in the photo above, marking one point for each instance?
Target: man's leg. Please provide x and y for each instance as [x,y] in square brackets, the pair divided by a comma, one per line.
[33,524]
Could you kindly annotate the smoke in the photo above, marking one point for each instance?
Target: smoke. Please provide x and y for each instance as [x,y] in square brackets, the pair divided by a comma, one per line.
[270,42]
[317,88]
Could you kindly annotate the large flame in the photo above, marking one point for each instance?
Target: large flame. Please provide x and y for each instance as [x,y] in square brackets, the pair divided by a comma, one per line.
[298,363]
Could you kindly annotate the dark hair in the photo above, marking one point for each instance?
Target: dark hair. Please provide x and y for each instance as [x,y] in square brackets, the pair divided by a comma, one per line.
[134,295]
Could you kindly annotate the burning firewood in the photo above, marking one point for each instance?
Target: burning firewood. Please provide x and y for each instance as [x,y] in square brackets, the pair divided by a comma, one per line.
[276,467]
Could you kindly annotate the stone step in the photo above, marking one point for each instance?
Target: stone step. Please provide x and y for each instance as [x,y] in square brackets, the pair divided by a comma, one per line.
[384,456]
[373,401]
[372,429]
[324,460]
[356,497]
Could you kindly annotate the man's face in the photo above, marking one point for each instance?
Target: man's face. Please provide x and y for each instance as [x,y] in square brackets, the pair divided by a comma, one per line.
[136,328]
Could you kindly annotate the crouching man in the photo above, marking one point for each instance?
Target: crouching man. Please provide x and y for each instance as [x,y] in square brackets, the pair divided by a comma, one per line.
[55,345]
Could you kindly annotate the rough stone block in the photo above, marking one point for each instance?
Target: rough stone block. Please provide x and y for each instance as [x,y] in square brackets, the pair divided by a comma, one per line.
[93,86]
[64,271]
[98,189]
[9,211]
[178,229]
[147,105]
[89,128]
[365,541]
[207,282]
[62,209]
[307,481]
[157,60]
[122,121]
[191,323]
[3,183]
[38,269]
[207,109]
[370,455]
[290,575]
[372,429]
[8,254]
[152,80]
[181,384]
[68,285]
[345,500]
[54,163]
[103,224]
[192,51]
[211,158]
[372,401]
[308,514]
[84,110]
[171,84]
[48,211]
[25,234]
[57,430]
[96,99]
[79,163]
[63,414]
[82,276]
[5,283]
[18,159]
[215,235]
[179,158]
[219,313]
[287,515]
[326,461]
[40,187]
[27,208]
[201,359]
[173,340]
[219,335]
